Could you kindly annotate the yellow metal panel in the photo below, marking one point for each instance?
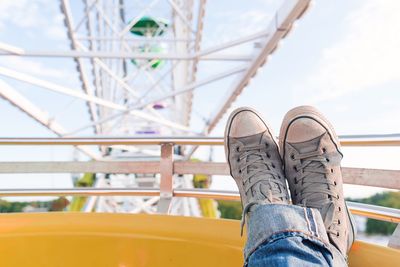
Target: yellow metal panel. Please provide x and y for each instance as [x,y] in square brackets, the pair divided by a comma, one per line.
[122,240]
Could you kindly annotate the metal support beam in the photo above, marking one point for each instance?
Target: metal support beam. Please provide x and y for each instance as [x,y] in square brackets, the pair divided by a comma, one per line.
[36,113]
[376,140]
[375,212]
[185,89]
[365,210]
[279,27]
[194,67]
[10,49]
[125,55]
[85,16]
[71,92]
[114,167]
[68,20]
[181,15]
[389,179]
[394,241]
[236,42]
[167,176]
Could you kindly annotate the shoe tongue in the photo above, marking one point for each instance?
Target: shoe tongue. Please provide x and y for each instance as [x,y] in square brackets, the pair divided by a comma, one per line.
[252,140]
[265,189]
[307,146]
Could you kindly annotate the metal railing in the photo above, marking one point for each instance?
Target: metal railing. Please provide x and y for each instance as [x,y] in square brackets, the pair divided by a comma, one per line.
[345,140]
[167,167]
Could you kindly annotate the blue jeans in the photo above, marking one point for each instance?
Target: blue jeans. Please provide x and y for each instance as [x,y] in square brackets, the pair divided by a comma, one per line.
[288,235]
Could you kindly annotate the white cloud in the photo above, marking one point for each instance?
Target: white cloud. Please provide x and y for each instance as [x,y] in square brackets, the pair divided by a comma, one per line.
[40,15]
[22,13]
[368,55]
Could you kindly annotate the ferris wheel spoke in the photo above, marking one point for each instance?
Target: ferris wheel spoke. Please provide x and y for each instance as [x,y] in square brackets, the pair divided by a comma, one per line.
[79,63]
[85,16]
[70,92]
[181,15]
[138,63]
[278,29]
[26,106]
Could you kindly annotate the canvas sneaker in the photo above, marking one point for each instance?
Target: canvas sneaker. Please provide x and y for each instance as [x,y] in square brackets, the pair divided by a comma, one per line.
[254,160]
[311,157]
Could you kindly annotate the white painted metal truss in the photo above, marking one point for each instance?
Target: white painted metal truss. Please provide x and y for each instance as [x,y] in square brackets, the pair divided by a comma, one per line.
[129,93]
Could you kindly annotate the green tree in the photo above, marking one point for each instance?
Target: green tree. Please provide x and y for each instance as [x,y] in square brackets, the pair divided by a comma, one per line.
[386,199]
[54,205]
[230,209]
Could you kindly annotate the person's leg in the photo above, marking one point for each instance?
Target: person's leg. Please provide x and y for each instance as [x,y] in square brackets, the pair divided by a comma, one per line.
[311,155]
[287,236]
[279,234]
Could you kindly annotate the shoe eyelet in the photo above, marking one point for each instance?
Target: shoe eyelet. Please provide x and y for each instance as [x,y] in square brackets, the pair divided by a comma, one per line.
[237,149]
[295,168]
[266,145]
[238,160]
[292,156]
[339,208]
[273,165]
[323,149]
[338,222]
[240,171]
[268,155]
[337,234]
[334,182]
[337,196]
[331,170]
[327,160]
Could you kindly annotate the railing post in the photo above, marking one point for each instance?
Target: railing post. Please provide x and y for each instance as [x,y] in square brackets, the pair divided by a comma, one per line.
[394,241]
[167,175]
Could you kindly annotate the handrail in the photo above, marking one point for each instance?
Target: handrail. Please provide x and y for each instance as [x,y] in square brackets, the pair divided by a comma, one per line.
[375,212]
[346,140]
[359,176]
[365,210]
[167,167]
[213,141]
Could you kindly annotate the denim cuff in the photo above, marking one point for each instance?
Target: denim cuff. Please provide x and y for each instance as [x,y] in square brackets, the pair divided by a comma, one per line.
[270,220]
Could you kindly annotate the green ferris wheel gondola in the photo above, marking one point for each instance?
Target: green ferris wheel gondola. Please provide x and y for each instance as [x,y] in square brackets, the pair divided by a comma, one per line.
[155,63]
[148,26]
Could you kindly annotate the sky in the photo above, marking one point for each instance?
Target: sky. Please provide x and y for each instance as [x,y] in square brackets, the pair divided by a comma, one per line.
[342,57]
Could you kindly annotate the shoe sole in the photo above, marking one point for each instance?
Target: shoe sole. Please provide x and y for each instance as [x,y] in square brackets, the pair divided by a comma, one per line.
[313,113]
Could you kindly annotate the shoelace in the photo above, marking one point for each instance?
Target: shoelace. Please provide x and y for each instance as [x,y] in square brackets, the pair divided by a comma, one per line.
[312,166]
[256,170]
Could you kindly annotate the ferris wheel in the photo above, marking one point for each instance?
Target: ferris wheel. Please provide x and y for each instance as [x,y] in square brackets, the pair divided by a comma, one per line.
[139,64]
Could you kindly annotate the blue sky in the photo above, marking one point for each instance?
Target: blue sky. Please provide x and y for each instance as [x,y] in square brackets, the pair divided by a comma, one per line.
[342,57]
